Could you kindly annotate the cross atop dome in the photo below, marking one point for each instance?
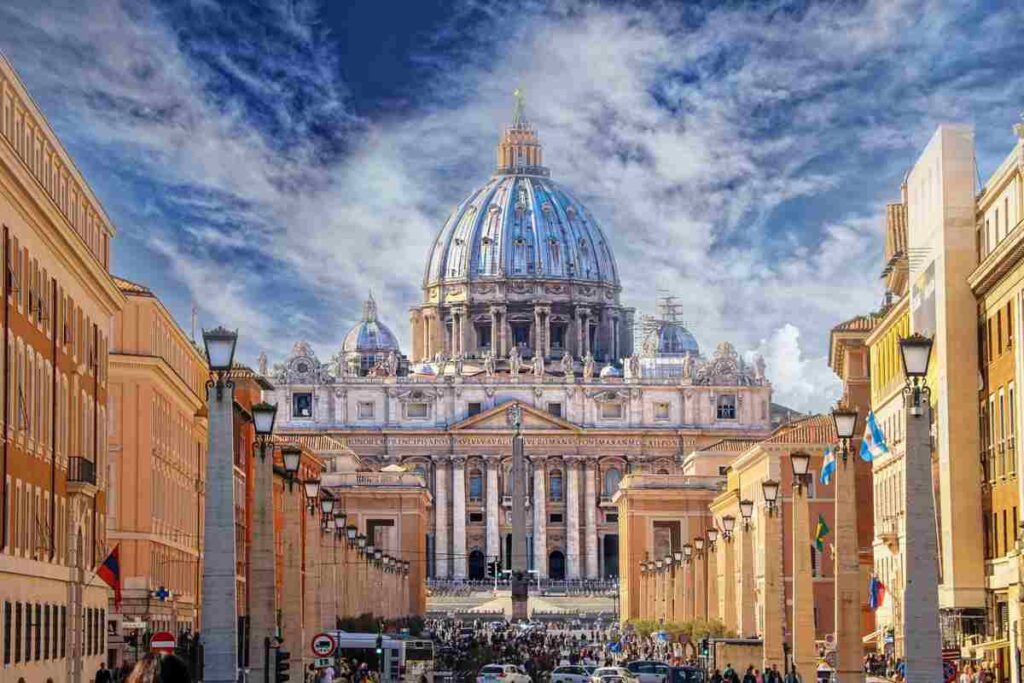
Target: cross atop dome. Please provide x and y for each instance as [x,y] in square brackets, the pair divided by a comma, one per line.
[519,150]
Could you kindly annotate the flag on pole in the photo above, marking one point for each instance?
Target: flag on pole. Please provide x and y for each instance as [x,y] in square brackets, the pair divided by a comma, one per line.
[876,593]
[110,573]
[873,444]
[828,468]
[820,533]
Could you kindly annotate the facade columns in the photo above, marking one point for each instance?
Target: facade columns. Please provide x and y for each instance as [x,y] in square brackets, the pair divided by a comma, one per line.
[847,576]
[774,598]
[712,582]
[572,519]
[590,516]
[458,518]
[747,625]
[804,648]
[729,586]
[426,336]
[499,346]
[441,548]
[688,596]
[493,506]
[540,518]
[700,604]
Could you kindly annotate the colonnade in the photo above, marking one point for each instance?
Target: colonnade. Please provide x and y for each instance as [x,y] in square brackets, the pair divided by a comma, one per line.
[451,561]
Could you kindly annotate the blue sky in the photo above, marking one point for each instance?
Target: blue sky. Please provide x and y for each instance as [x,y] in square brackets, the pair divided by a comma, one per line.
[272,160]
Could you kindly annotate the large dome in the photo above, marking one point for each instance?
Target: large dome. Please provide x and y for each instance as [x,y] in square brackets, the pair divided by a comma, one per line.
[369,335]
[521,226]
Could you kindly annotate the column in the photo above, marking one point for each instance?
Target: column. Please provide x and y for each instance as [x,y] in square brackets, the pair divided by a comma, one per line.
[310,587]
[578,325]
[538,332]
[774,593]
[804,649]
[540,518]
[503,318]
[729,586]
[847,576]
[572,518]
[493,502]
[643,596]
[745,607]
[688,596]
[262,570]
[220,623]
[442,552]
[922,641]
[677,591]
[291,588]
[459,518]
[700,596]
[496,350]
[547,333]
[712,585]
[590,516]
[586,333]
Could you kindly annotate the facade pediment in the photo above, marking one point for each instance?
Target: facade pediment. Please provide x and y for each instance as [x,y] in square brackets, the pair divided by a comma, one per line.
[533,420]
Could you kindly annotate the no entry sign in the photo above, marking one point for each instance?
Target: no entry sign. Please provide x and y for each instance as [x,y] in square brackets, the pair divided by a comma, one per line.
[323,645]
[162,641]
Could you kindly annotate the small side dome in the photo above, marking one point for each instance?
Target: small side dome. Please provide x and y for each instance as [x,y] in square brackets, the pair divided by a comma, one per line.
[370,348]
[671,339]
[424,369]
[609,371]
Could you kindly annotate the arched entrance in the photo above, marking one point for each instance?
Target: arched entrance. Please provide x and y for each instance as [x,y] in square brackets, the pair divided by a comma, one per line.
[556,566]
[476,565]
[611,556]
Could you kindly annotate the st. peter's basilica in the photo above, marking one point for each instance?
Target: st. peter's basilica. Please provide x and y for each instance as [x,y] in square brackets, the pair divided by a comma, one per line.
[521,302]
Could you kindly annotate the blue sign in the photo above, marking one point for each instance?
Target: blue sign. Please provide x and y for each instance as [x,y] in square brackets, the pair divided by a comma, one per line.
[162,594]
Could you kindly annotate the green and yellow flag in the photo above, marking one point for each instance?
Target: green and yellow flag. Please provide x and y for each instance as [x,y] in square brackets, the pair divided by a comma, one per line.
[820,533]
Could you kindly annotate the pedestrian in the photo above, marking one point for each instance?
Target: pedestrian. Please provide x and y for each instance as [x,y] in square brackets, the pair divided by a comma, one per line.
[793,676]
[156,668]
[749,677]
[103,674]
[716,677]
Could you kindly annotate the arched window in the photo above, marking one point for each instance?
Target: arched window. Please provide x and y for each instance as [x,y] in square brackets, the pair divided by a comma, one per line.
[555,482]
[612,477]
[476,486]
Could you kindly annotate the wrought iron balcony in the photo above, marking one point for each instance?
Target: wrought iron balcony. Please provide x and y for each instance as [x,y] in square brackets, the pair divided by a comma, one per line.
[81,471]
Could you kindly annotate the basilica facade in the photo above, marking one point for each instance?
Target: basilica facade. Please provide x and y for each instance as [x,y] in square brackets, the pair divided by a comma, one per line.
[521,303]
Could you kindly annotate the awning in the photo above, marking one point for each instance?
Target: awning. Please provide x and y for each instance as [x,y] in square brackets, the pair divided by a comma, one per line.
[873,636]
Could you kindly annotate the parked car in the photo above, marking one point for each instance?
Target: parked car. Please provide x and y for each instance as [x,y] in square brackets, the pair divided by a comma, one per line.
[649,671]
[613,674]
[686,674]
[505,673]
[569,674]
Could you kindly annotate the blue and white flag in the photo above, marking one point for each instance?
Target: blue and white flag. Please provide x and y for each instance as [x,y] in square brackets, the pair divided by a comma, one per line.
[828,468]
[873,444]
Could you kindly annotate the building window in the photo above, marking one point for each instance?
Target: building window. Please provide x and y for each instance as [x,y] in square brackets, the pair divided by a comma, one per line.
[38,625]
[63,631]
[476,517]
[364,411]
[555,409]
[555,518]
[416,410]
[556,485]
[302,404]
[475,409]
[726,407]
[476,486]
[611,411]
[8,614]
[18,634]
[612,518]
[660,411]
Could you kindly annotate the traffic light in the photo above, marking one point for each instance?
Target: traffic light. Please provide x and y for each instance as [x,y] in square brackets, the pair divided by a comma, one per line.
[705,647]
[281,665]
[380,644]
[492,569]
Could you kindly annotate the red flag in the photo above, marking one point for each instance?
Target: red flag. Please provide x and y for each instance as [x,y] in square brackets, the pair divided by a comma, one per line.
[110,572]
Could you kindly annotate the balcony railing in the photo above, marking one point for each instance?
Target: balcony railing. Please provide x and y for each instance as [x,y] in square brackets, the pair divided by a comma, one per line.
[81,470]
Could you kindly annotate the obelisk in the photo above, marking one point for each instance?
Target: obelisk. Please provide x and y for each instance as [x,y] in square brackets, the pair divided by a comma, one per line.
[520,481]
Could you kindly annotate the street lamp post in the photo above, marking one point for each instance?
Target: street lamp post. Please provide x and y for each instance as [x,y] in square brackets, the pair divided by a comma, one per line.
[729,572]
[747,623]
[773,632]
[702,565]
[849,666]
[263,607]
[921,630]
[219,620]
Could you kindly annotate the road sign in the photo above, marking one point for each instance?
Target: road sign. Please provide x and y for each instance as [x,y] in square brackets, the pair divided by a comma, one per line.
[323,645]
[322,662]
[162,641]
[130,625]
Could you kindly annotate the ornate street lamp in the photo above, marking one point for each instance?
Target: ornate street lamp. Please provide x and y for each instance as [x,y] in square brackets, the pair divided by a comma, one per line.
[668,561]
[698,545]
[291,455]
[312,490]
[801,464]
[916,351]
[746,512]
[845,421]
[368,551]
[770,491]
[220,355]
[326,506]
[378,554]
[659,564]
[361,541]
[728,524]
[339,526]
[263,416]
[712,538]
[338,514]
[350,534]
[678,556]
[687,553]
